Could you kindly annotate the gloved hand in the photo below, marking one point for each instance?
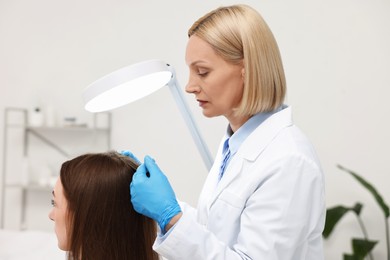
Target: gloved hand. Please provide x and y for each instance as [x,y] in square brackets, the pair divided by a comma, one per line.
[131,155]
[152,195]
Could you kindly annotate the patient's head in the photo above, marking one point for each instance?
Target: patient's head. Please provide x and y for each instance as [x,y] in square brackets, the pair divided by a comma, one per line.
[92,211]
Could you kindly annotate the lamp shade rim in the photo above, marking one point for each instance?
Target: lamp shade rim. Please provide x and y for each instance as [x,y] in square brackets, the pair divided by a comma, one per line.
[126,85]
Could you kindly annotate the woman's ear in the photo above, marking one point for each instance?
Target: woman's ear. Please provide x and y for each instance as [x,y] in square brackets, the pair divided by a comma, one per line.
[243,73]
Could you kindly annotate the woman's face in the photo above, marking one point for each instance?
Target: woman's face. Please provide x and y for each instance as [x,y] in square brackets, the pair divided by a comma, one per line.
[216,84]
[58,215]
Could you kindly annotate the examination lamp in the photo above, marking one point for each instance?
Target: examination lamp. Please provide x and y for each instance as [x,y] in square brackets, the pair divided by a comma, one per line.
[136,81]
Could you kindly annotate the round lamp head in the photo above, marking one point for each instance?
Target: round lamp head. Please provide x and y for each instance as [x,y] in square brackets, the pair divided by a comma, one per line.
[126,85]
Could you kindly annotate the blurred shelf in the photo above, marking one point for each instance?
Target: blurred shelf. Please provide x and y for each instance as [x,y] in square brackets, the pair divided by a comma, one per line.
[49,136]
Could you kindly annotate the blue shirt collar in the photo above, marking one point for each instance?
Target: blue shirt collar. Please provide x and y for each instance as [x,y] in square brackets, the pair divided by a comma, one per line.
[237,138]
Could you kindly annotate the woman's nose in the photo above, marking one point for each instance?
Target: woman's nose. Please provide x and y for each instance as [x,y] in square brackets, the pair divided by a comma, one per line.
[51,215]
[191,86]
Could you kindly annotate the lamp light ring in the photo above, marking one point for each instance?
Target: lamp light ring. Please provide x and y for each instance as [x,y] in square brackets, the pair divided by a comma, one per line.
[123,86]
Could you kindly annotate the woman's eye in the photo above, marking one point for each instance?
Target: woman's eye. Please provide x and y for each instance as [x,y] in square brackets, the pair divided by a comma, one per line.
[53,203]
[203,73]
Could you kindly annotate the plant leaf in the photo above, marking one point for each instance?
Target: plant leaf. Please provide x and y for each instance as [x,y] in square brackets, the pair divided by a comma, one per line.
[357,208]
[351,257]
[361,247]
[370,188]
[333,215]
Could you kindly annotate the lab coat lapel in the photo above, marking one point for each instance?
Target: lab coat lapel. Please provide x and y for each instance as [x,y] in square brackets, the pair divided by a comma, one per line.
[250,149]
[232,172]
[209,188]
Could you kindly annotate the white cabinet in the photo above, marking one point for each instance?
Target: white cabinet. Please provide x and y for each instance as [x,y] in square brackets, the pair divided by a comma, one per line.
[32,157]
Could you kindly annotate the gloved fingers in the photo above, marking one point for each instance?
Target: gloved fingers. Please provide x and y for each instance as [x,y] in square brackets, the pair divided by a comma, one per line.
[131,155]
[136,186]
[140,173]
[134,199]
[151,164]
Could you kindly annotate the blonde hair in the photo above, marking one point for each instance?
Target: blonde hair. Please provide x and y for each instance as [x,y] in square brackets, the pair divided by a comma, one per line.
[238,34]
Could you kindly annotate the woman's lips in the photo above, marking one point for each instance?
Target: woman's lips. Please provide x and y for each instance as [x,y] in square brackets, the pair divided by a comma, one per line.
[201,102]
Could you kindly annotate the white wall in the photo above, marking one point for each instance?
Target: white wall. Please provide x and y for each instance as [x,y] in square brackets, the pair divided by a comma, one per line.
[336,56]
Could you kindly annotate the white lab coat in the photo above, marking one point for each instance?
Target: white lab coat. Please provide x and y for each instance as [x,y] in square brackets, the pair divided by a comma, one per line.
[269,205]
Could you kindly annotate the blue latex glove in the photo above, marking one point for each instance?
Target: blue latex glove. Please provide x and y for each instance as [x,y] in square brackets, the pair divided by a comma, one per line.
[152,195]
[131,155]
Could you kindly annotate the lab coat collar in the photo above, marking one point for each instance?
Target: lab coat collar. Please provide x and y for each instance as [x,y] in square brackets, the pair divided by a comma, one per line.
[265,133]
[238,137]
[253,146]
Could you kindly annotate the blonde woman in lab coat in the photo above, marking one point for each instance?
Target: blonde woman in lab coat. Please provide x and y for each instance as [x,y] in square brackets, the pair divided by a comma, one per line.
[264,196]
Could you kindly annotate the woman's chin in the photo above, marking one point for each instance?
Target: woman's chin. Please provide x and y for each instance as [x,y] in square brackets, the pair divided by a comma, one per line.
[63,247]
[208,114]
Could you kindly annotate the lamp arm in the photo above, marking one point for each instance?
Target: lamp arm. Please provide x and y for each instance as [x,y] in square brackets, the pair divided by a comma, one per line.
[189,119]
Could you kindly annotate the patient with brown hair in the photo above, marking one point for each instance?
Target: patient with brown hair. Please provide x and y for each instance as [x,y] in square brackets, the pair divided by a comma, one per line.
[92,213]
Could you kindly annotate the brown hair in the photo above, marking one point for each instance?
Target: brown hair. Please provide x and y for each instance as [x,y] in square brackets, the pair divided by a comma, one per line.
[102,222]
[238,33]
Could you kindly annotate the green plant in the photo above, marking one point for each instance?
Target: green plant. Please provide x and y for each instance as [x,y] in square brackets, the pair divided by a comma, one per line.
[361,247]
